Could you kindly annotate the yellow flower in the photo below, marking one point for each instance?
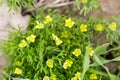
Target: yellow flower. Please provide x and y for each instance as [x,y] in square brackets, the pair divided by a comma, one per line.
[54,37]
[23,43]
[112,26]
[77,52]
[46,78]
[93,76]
[74,78]
[31,38]
[48,19]
[65,34]
[58,41]
[91,51]
[67,63]
[53,77]
[83,28]
[99,27]
[18,63]
[49,63]
[84,1]
[17,71]
[39,25]
[69,23]
[78,75]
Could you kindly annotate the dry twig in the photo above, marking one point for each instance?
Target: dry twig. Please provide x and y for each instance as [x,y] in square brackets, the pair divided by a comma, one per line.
[44,4]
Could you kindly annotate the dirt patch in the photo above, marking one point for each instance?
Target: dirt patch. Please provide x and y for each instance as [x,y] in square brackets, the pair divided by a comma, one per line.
[3,59]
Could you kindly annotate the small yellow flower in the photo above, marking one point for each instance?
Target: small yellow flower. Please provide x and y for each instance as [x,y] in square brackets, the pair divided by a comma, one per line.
[48,19]
[31,38]
[53,77]
[49,63]
[74,78]
[99,27]
[112,26]
[18,71]
[69,23]
[83,28]
[93,76]
[39,25]
[58,41]
[67,63]
[65,34]
[54,37]
[68,41]
[84,1]
[77,52]
[91,51]
[78,75]
[23,43]
[46,78]
[18,63]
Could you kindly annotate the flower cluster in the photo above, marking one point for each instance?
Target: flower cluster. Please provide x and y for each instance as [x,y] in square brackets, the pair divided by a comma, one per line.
[58,41]
[93,77]
[77,52]
[47,49]
[83,28]
[99,27]
[39,25]
[52,77]
[31,38]
[112,26]
[24,43]
[69,23]
[84,1]
[48,19]
[91,51]
[67,64]
[49,63]
[18,71]
[77,76]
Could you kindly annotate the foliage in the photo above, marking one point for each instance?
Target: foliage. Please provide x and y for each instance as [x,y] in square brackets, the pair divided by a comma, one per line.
[59,47]
[15,4]
[87,5]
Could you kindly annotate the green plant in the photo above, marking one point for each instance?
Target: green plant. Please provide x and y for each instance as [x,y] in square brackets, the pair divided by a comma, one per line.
[59,47]
[16,4]
[87,5]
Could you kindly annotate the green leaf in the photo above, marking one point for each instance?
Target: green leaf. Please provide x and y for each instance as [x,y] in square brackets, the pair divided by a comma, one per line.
[85,64]
[112,77]
[97,72]
[101,49]
[116,59]
[104,61]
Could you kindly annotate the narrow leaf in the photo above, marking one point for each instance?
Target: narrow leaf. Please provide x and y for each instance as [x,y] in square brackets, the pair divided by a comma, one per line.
[85,64]
[101,49]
